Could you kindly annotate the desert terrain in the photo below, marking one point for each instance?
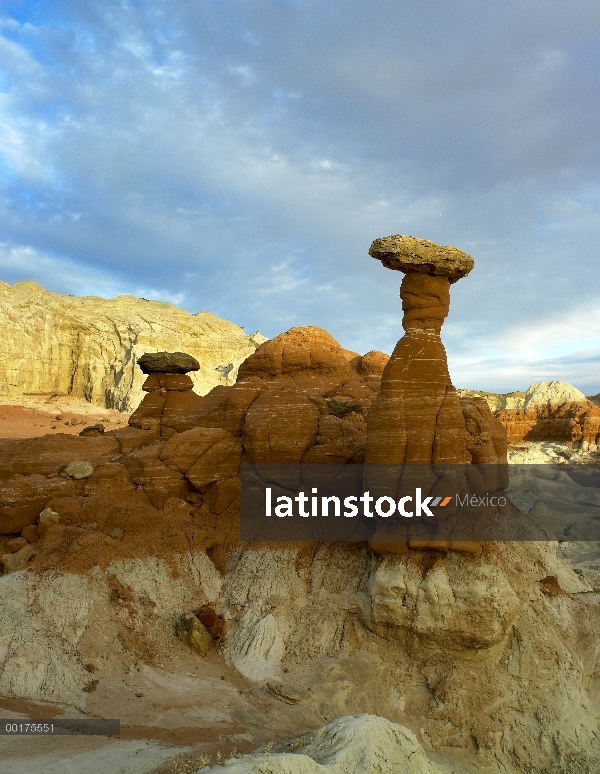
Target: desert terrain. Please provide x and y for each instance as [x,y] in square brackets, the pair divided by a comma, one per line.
[127,593]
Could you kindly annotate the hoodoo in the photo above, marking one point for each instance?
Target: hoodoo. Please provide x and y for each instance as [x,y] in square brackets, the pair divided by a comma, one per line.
[417,417]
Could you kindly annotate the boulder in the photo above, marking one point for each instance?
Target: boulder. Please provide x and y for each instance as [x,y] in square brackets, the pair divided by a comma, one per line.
[16,544]
[30,533]
[78,469]
[17,561]
[92,431]
[407,254]
[193,632]
[48,516]
[167,363]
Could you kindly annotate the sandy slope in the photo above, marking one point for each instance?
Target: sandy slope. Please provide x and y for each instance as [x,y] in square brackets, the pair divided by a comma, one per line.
[31,416]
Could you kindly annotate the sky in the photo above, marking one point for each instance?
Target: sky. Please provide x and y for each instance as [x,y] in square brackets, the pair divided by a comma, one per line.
[240,157]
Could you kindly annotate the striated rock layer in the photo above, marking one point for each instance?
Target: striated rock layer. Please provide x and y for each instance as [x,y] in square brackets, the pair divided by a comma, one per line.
[554,411]
[126,535]
[88,347]
[476,653]
[418,418]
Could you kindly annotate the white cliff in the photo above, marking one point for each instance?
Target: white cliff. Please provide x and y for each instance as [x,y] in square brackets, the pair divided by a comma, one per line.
[88,347]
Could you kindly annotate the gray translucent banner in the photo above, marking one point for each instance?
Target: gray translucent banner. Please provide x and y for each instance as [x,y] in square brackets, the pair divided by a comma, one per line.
[60,727]
[420,502]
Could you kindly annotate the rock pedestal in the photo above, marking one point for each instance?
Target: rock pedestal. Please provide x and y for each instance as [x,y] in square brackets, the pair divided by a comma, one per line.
[170,405]
[417,418]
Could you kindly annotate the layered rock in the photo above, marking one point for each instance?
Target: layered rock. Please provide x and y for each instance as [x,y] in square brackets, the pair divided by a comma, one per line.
[496,400]
[300,397]
[89,346]
[477,653]
[418,418]
[361,743]
[554,411]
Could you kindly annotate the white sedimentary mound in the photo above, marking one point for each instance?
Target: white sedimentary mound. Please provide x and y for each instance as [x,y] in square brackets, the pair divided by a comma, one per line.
[551,394]
[540,394]
[361,744]
[88,347]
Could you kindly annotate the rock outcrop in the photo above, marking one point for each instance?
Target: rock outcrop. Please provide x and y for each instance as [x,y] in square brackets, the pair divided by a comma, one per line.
[417,418]
[111,539]
[554,411]
[496,400]
[553,420]
[551,394]
[88,347]
[548,395]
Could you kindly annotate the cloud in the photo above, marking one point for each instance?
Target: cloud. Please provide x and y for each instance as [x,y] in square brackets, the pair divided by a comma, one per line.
[241,157]
[563,346]
[64,276]
[558,335]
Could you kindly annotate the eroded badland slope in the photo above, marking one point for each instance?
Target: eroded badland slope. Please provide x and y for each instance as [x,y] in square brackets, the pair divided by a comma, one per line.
[128,593]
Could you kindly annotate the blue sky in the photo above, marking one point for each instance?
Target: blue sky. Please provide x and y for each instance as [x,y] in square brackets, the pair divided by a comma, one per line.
[239,157]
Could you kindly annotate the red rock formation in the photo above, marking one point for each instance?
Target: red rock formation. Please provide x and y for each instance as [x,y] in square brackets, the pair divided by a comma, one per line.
[300,398]
[574,422]
[417,418]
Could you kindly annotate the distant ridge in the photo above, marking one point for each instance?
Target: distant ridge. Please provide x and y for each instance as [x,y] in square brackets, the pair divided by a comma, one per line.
[88,346]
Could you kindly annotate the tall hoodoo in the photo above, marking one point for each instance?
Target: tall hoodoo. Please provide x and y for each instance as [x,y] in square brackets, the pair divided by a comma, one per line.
[417,418]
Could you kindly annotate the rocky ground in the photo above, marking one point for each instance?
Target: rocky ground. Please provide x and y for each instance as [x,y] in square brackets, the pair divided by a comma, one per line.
[31,416]
[319,636]
[467,658]
[127,591]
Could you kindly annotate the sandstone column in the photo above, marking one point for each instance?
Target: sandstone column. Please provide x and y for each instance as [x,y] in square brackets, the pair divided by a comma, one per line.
[170,403]
[416,418]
